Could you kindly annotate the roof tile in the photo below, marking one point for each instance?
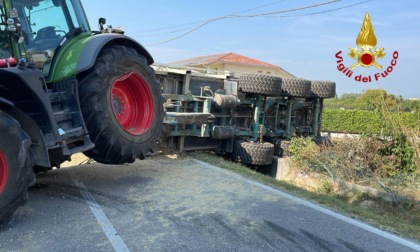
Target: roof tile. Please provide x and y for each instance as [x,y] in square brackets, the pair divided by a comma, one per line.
[224,57]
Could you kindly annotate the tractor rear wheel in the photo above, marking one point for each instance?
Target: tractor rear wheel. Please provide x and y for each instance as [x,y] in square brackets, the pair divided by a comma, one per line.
[16,173]
[122,106]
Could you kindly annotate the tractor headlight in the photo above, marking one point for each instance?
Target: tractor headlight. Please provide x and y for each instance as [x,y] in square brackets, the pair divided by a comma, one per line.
[13,13]
[11,25]
[11,28]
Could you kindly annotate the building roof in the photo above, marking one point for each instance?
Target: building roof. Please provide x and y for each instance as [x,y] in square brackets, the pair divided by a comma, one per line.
[226,58]
[222,58]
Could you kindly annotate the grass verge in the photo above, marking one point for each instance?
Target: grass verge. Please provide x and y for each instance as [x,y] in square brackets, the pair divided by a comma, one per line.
[401,218]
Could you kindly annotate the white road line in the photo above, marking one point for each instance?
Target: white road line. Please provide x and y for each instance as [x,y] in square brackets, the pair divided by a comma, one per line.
[331,213]
[106,225]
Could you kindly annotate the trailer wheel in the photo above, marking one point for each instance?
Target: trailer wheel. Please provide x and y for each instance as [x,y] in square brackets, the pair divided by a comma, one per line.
[323,89]
[122,106]
[295,87]
[278,150]
[16,173]
[262,84]
[253,153]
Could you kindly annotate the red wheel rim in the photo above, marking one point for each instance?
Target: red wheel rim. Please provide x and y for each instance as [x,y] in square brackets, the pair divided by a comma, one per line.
[132,103]
[3,171]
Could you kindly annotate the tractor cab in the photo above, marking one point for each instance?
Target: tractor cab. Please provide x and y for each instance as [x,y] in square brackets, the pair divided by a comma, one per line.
[6,50]
[35,30]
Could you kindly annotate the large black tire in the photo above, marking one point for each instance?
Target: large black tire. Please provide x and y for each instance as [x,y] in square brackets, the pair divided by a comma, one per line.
[295,87]
[253,153]
[16,162]
[262,84]
[122,106]
[323,89]
[278,150]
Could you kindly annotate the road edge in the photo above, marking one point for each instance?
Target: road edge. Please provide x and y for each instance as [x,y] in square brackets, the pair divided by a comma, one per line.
[324,210]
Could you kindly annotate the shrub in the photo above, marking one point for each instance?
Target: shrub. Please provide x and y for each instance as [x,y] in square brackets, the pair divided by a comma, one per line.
[354,158]
[399,150]
[399,131]
[364,121]
[303,150]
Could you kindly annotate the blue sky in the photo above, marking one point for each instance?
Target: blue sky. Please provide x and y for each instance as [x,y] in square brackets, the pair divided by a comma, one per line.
[304,44]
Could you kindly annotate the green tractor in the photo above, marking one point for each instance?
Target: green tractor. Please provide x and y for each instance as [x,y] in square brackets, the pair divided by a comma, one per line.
[65,89]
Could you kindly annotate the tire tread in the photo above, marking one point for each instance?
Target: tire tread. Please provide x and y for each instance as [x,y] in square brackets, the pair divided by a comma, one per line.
[253,83]
[110,147]
[253,153]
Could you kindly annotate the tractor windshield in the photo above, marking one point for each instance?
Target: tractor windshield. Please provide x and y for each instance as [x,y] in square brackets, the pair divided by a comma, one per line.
[44,25]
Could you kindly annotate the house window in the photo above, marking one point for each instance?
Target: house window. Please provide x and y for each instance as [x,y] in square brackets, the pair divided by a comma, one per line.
[268,72]
[259,71]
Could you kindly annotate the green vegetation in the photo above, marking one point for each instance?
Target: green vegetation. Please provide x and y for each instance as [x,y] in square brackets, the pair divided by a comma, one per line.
[394,135]
[373,99]
[365,121]
[363,160]
[385,155]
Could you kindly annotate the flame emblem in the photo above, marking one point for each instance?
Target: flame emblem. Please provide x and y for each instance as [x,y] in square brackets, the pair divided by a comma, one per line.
[366,40]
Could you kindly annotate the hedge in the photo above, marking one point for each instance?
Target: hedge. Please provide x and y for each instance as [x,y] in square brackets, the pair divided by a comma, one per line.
[363,121]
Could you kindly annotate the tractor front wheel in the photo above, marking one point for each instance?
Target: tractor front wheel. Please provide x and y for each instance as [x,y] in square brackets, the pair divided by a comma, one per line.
[122,106]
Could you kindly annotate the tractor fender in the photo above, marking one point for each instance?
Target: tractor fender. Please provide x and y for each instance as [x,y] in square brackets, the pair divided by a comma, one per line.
[80,53]
[5,102]
[92,48]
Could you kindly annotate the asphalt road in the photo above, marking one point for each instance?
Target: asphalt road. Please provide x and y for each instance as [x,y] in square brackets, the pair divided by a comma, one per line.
[164,204]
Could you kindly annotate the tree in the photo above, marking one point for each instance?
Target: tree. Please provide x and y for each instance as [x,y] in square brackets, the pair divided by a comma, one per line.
[349,98]
[377,99]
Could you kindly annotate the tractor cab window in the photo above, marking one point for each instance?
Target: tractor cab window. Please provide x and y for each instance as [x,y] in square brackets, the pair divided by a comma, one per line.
[5,46]
[44,25]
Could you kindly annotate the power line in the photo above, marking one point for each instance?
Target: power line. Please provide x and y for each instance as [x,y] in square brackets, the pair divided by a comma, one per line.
[230,16]
[162,33]
[321,12]
[168,27]
[262,15]
[258,7]
[290,10]
[198,22]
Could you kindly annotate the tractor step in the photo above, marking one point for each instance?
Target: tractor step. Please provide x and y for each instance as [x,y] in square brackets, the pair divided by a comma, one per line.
[65,104]
[72,132]
[62,116]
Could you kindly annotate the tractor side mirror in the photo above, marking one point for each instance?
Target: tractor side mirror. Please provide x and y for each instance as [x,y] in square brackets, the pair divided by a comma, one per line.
[102,22]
